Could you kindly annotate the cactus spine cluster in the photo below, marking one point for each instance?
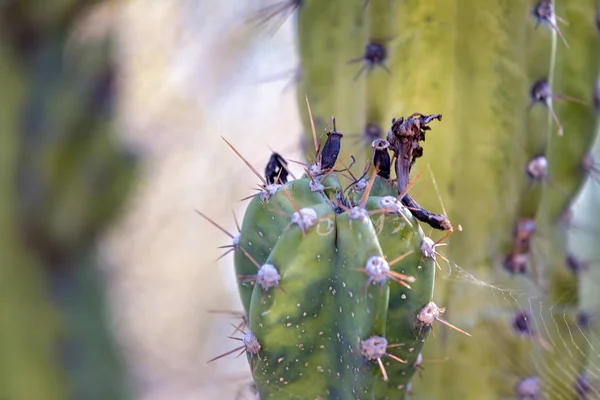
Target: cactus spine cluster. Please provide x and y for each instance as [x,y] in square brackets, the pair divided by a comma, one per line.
[337,280]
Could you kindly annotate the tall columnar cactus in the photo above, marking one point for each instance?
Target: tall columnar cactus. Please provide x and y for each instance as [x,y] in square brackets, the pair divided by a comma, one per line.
[337,281]
[508,160]
[64,180]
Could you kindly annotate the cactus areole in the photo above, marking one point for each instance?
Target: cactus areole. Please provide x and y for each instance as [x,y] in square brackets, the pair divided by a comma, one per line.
[332,277]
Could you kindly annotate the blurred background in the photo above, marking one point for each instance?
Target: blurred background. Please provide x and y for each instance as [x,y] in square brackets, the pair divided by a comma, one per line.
[110,137]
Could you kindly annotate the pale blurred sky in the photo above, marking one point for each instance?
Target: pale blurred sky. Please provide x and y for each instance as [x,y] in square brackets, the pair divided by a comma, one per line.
[191,72]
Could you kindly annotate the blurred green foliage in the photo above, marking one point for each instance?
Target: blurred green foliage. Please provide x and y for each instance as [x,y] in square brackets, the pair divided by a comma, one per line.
[64,179]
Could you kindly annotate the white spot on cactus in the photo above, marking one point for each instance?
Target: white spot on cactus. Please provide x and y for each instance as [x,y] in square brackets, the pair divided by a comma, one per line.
[528,388]
[358,213]
[374,347]
[429,314]
[304,218]
[428,247]
[236,240]
[377,269]
[314,169]
[316,186]
[361,184]
[251,343]
[390,204]
[537,168]
[419,360]
[269,191]
[268,276]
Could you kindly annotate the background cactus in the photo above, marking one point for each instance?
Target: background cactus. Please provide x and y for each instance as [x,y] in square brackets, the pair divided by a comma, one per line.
[490,137]
[507,163]
[64,179]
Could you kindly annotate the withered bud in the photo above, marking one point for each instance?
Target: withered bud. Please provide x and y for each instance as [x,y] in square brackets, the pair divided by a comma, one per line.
[331,149]
[381,158]
[275,169]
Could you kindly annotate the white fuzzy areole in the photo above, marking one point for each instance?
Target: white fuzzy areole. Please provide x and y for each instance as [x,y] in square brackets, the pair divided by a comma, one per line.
[377,269]
[374,347]
[358,213]
[268,276]
[251,343]
[428,247]
[390,204]
[269,191]
[304,218]
[428,314]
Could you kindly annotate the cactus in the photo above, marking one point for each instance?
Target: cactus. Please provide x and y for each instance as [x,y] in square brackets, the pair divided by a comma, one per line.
[337,285]
[506,163]
[509,163]
[64,181]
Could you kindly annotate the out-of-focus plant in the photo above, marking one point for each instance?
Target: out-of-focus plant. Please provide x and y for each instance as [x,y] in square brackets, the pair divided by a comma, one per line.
[64,179]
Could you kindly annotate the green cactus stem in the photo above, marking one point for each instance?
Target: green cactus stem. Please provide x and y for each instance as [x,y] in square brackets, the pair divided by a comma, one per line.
[335,279]
[506,160]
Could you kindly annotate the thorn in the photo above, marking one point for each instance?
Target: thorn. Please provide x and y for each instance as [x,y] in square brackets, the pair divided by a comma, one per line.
[237,224]
[246,162]
[312,125]
[215,224]
[409,186]
[282,9]
[437,190]
[250,257]
[393,357]
[401,257]
[401,280]
[224,254]
[449,325]
[430,313]
[226,354]
[382,368]
[365,196]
